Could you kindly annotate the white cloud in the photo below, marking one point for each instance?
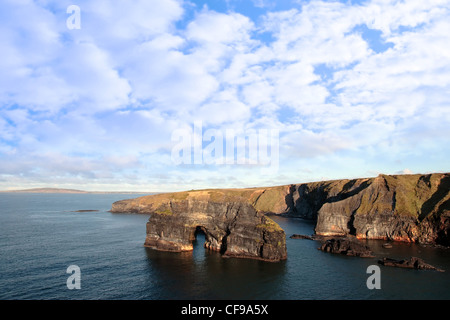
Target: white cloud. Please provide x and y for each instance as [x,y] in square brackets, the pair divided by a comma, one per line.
[403,82]
[320,33]
[173,80]
[224,109]
[388,16]
[212,27]
[101,102]
[111,22]
[92,79]
[29,39]
[258,93]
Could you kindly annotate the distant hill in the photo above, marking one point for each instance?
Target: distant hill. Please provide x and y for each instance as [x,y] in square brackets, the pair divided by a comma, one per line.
[60,190]
[48,190]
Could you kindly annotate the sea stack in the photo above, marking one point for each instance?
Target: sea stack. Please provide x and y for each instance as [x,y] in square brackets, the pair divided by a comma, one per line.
[231,226]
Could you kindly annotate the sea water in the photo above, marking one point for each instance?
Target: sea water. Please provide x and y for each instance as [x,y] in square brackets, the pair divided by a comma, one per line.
[42,235]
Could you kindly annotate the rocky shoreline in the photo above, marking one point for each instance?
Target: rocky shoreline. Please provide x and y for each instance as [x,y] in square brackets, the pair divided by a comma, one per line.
[351,246]
[407,208]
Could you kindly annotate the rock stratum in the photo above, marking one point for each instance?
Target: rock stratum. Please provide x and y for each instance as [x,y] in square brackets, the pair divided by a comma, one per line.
[230,224]
[411,208]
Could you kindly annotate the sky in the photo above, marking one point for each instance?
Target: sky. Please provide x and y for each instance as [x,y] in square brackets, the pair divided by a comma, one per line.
[169,95]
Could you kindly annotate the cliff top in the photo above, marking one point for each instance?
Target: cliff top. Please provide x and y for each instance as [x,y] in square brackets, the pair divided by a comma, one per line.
[413,194]
[271,199]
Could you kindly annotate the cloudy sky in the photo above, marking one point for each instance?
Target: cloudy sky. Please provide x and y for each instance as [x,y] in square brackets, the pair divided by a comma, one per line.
[341,89]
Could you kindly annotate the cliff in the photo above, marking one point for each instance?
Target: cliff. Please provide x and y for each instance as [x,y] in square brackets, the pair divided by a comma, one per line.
[231,225]
[413,208]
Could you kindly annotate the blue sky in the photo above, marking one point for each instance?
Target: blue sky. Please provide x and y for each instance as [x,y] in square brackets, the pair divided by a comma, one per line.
[349,88]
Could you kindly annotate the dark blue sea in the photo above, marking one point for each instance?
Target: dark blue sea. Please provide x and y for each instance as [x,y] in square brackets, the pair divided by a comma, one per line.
[41,236]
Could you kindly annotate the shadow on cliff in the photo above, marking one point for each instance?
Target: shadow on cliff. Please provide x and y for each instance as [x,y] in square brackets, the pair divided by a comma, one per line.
[430,204]
[308,201]
[348,192]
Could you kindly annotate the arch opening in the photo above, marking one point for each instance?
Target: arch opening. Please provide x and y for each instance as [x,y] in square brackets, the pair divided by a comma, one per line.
[209,240]
[200,237]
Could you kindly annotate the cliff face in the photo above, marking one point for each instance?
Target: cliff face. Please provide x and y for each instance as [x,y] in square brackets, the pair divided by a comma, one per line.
[231,226]
[413,208]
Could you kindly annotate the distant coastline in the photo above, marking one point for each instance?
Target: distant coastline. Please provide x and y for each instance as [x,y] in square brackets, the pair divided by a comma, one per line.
[61,190]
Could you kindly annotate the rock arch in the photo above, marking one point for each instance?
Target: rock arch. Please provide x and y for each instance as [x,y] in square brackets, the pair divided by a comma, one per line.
[211,239]
[234,229]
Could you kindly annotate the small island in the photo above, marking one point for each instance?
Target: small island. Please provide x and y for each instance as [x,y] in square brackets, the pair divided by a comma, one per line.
[231,225]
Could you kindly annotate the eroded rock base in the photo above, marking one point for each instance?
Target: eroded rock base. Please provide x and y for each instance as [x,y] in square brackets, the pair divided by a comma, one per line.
[234,229]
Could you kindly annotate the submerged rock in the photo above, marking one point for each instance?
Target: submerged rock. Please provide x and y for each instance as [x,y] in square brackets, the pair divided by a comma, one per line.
[411,263]
[346,246]
[301,236]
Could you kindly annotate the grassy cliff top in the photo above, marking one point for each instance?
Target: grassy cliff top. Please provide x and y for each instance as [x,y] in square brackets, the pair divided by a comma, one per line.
[415,194]
[262,197]
[419,195]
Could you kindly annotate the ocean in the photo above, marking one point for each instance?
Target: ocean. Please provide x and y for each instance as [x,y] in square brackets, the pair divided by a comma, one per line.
[42,235]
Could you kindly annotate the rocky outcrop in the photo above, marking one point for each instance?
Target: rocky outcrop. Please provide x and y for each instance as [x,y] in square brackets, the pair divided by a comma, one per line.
[231,226]
[301,236]
[346,246]
[412,208]
[411,263]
